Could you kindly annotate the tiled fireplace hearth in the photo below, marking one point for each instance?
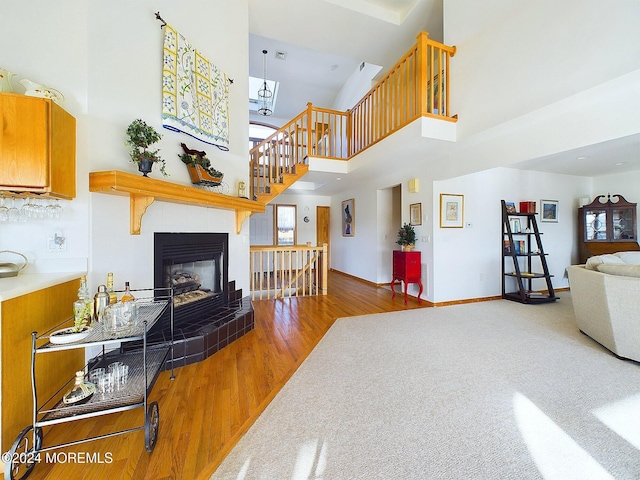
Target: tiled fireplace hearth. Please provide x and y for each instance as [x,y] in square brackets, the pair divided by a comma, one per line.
[199,339]
[209,312]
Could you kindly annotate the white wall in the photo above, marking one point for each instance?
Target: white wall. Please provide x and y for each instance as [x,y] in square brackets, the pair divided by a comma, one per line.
[535,54]
[47,43]
[106,58]
[467,260]
[538,79]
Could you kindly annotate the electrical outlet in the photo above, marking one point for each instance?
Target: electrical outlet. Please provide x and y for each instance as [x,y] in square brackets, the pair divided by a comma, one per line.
[57,243]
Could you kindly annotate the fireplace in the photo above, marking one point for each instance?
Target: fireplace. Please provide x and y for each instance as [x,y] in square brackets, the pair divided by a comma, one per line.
[196,266]
[209,313]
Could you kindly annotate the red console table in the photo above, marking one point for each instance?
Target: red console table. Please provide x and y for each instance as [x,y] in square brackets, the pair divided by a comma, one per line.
[406,268]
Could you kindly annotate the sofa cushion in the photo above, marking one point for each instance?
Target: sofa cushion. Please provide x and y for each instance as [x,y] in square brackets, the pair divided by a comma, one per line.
[607,258]
[621,270]
[630,258]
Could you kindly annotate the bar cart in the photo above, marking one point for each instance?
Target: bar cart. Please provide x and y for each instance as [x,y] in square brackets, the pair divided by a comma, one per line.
[143,366]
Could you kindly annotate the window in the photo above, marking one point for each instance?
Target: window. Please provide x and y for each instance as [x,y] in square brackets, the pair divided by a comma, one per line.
[286,231]
[258,132]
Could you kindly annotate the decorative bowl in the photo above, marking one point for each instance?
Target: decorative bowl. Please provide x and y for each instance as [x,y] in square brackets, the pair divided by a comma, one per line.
[67,335]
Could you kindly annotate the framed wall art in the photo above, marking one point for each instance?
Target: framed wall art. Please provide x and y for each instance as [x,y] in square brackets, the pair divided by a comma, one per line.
[549,210]
[348,218]
[415,214]
[451,210]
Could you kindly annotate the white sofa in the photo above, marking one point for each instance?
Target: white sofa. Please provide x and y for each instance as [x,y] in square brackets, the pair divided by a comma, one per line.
[606,301]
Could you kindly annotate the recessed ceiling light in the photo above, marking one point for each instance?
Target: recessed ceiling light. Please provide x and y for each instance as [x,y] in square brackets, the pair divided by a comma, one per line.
[582,158]
[338,178]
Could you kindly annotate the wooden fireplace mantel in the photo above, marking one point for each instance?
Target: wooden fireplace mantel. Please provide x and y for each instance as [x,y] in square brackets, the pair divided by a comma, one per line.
[143,191]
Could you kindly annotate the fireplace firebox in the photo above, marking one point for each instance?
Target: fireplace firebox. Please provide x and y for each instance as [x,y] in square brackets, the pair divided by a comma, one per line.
[209,312]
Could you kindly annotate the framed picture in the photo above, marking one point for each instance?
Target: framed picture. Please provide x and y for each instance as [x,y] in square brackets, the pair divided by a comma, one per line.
[415,214]
[348,218]
[549,210]
[511,207]
[451,210]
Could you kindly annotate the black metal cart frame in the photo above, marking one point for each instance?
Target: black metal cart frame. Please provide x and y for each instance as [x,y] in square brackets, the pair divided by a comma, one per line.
[144,368]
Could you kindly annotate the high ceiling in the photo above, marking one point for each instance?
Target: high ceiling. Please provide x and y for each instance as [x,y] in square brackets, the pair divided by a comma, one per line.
[325,41]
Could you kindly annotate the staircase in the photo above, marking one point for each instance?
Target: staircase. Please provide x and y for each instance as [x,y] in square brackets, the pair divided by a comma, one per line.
[283,158]
[417,86]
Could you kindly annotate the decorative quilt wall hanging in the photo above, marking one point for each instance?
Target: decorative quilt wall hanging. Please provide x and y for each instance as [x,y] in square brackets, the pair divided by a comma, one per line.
[195,93]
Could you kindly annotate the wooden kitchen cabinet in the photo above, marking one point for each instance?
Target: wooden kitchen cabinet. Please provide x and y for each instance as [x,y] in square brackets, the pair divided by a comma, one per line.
[36,311]
[407,268]
[37,146]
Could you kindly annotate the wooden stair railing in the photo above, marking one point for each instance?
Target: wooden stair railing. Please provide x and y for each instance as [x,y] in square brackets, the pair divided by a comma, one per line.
[417,85]
[286,271]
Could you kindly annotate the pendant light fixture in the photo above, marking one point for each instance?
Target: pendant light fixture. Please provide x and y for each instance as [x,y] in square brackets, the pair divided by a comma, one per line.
[264,94]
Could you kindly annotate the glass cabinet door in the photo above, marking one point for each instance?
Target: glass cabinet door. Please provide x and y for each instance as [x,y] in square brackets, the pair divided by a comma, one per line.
[595,225]
[623,225]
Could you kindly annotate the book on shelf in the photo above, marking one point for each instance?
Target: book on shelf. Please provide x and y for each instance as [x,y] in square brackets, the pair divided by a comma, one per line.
[507,246]
[528,207]
[520,247]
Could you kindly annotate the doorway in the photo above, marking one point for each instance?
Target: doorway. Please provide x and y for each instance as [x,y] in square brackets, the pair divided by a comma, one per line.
[323,234]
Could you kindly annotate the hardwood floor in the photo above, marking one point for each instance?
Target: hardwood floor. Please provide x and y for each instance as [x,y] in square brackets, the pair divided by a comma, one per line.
[209,405]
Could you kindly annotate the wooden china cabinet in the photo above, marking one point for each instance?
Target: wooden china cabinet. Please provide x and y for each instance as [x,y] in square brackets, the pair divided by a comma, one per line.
[607,226]
[406,268]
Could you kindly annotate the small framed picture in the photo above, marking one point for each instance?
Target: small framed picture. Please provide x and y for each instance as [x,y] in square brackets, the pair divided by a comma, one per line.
[511,207]
[415,214]
[348,218]
[548,210]
[451,210]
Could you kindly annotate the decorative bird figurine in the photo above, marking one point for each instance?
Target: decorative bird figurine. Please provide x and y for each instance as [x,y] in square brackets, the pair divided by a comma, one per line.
[189,151]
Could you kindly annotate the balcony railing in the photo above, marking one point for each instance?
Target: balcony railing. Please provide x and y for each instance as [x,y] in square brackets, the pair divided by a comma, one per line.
[288,271]
[418,85]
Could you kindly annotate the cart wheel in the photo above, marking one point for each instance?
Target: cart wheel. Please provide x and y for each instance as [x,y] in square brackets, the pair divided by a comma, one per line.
[151,427]
[23,455]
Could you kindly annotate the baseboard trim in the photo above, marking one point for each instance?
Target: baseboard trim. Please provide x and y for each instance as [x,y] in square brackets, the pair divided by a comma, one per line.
[437,304]
[356,278]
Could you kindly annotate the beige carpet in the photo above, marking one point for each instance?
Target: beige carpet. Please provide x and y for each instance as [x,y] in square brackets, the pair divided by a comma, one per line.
[494,390]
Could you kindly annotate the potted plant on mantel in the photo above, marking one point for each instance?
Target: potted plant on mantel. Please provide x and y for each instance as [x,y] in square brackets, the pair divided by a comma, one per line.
[200,169]
[406,238]
[141,137]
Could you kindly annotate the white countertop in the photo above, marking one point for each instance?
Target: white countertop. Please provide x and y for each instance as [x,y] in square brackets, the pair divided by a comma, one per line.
[24,283]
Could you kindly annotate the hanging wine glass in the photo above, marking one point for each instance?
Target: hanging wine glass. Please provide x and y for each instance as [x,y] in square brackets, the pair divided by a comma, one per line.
[57,209]
[40,209]
[13,213]
[4,211]
[54,209]
[25,211]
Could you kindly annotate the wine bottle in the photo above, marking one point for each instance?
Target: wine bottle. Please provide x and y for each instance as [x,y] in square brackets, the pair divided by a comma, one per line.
[113,297]
[83,307]
[127,296]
